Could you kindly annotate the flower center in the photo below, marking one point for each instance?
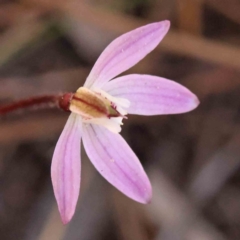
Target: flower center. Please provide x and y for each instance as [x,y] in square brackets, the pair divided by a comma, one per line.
[98,107]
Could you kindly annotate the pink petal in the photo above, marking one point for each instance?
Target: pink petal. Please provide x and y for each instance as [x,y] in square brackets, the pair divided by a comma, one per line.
[65,170]
[125,51]
[116,162]
[152,95]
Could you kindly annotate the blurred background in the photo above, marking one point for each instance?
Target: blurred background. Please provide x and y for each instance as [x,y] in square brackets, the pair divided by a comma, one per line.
[192,159]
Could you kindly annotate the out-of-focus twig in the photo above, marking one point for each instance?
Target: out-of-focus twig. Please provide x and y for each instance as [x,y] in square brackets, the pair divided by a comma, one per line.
[229,8]
[115,23]
[175,42]
[45,127]
[130,218]
[212,82]
[190,14]
[18,37]
[216,171]
[214,129]
[172,209]
[13,13]
[50,82]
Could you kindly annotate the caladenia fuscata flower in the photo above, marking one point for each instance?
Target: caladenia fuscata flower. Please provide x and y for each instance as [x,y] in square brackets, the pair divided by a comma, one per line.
[97,110]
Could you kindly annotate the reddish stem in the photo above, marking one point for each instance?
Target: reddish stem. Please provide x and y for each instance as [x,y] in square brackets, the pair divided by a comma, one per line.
[46,101]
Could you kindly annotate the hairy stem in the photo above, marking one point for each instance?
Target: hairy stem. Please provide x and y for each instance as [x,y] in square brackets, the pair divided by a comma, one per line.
[46,101]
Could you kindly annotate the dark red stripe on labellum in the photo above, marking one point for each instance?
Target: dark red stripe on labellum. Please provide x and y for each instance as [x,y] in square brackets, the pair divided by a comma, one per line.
[90,104]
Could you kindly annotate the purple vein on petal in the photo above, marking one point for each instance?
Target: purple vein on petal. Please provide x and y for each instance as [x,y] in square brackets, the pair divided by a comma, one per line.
[109,156]
[65,170]
[116,162]
[125,51]
[152,95]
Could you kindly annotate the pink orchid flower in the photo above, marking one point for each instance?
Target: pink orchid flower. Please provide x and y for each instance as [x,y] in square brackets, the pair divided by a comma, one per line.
[98,109]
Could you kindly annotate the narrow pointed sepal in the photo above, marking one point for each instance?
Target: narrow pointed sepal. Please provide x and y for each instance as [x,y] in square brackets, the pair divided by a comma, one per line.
[65,169]
[116,162]
[126,51]
[152,95]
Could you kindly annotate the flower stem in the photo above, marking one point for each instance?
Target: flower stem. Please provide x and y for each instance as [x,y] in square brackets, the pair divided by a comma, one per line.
[46,101]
